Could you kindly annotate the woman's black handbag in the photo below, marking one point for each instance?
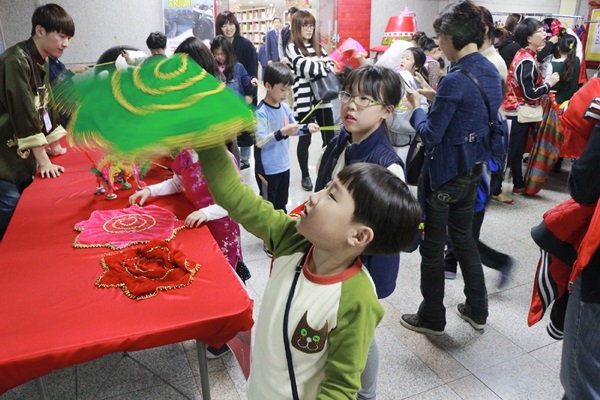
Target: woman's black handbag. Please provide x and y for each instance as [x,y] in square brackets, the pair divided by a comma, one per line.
[326,88]
[414,161]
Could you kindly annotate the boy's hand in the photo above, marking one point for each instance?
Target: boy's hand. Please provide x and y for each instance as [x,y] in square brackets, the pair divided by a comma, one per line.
[290,129]
[254,82]
[128,59]
[142,195]
[79,68]
[195,219]
[51,170]
[313,127]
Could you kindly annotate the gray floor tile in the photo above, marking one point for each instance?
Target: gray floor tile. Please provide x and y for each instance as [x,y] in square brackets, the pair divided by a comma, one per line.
[162,392]
[471,388]
[549,355]
[440,392]
[522,377]
[60,384]
[408,373]
[475,350]
[508,315]
[438,360]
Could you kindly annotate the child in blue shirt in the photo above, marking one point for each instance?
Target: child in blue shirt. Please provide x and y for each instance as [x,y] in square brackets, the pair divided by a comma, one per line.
[276,123]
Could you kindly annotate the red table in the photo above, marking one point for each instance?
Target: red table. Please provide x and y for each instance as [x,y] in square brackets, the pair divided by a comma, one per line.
[53,316]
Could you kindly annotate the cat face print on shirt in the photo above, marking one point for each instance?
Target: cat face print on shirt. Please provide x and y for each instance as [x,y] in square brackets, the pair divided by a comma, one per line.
[307,339]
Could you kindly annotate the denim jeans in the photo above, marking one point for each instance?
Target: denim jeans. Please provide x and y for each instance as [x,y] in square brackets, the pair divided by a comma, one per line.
[451,206]
[580,361]
[10,193]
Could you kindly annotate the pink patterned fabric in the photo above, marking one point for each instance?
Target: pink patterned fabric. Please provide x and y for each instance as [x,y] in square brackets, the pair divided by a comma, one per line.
[118,229]
[225,231]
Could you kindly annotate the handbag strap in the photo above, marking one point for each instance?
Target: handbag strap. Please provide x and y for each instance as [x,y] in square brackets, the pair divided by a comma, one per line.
[485,98]
[286,339]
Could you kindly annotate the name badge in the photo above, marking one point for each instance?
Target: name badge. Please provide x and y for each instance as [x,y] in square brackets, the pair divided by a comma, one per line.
[47,122]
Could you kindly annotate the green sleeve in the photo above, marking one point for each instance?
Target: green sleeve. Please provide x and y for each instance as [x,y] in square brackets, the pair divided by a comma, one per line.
[359,314]
[257,216]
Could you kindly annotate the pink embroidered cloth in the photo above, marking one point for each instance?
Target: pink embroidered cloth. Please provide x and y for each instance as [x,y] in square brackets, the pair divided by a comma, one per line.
[118,229]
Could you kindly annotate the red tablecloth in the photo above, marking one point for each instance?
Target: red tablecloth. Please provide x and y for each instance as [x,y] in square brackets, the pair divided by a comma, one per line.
[51,313]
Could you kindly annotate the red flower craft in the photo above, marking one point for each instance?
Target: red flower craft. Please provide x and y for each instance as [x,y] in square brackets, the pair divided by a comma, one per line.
[142,271]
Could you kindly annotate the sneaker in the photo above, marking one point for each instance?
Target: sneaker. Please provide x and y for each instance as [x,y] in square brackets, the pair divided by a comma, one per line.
[307,184]
[518,190]
[244,165]
[414,323]
[502,198]
[450,275]
[476,322]
[213,353]
[268,252]
[449,270]
[505,273]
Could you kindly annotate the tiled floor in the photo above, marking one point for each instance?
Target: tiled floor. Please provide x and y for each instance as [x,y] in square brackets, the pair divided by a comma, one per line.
[508,361]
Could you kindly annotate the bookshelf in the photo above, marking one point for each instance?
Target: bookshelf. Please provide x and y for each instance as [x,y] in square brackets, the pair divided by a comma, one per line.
[255,22]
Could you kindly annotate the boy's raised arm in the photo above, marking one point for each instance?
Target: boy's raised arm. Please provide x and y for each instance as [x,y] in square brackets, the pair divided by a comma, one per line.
[244,206]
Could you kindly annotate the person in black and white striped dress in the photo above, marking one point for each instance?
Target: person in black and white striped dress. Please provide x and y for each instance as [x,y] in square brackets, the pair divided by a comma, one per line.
[308,60]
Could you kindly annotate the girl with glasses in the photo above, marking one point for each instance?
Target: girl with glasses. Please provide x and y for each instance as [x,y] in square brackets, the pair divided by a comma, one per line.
[369,96]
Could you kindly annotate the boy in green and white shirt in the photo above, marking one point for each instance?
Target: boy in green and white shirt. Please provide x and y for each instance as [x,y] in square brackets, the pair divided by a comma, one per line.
[333,309]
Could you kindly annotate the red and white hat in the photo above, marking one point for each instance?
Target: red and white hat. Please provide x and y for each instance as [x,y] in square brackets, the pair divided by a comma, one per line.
[399,27]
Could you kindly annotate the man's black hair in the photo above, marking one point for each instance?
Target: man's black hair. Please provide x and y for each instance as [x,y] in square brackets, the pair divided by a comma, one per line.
[53,18]
[156,40]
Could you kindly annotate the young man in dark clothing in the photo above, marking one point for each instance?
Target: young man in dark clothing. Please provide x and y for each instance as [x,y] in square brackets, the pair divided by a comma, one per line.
[27,124]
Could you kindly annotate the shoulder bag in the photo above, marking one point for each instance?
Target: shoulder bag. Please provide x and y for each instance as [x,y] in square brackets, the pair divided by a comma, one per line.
[325,88]
[527,113]
[414,160]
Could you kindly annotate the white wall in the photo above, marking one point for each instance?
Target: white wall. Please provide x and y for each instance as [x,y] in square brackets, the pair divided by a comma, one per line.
[96,24]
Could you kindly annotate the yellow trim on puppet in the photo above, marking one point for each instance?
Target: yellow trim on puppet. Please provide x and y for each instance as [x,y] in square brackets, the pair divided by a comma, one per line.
[150,108]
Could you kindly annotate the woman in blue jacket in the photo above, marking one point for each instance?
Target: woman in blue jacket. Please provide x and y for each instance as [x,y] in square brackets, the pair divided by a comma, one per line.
[456,137]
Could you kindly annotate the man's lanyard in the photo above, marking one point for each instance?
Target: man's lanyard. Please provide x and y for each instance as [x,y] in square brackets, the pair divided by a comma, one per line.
[41,91]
